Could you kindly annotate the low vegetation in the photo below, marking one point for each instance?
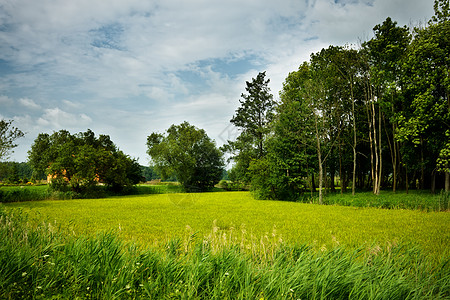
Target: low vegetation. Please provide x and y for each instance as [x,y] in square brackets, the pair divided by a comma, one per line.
[153,219]
[38,261]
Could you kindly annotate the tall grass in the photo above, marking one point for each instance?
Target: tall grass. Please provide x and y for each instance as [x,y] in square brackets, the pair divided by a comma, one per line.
[43,262]
[151,219]
[417,200]
[10,194]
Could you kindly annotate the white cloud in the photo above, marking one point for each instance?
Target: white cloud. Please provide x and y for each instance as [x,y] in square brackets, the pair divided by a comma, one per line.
[58,119]
[72,105]
[29,103]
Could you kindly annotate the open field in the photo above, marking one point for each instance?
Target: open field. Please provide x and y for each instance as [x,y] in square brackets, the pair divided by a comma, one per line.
[154,219]
[222,245]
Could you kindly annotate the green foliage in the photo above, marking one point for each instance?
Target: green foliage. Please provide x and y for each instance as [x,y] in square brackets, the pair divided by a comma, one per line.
[78,162]
[187,153]
[43,262]
[149,173]
[8,135]
[252,118]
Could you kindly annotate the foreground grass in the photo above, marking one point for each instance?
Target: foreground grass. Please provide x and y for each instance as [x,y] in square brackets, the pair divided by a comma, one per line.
[239,219]
[39,262]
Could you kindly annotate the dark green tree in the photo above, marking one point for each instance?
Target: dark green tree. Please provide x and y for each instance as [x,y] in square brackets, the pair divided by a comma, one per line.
[252,119]
[281,173]
[188,153]
[425,120]
[79,162]
[384,55]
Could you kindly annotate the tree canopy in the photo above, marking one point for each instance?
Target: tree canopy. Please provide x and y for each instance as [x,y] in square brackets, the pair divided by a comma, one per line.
[187,153]
[378,114]
[78,162]
[8,135]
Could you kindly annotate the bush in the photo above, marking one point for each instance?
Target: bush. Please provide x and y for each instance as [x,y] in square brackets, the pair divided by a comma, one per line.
[223,184]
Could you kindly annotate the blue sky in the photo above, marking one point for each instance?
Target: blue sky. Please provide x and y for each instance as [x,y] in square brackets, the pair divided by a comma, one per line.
[127,68]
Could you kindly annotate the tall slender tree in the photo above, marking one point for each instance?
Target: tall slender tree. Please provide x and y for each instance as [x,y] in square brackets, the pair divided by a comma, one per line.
[252,118]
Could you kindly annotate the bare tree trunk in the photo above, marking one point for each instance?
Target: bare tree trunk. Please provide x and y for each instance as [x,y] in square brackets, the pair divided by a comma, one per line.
[447,181]
[319,156]
[406,178]
[354,138]
[395,157]
[375,146]
[368,109]
[433,182]
[380,161]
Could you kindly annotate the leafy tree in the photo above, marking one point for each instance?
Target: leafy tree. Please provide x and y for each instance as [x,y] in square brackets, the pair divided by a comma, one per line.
[188,153]
[78,162]
[426,115]
[252,118]
[8,135]
[383,55]
[281,173]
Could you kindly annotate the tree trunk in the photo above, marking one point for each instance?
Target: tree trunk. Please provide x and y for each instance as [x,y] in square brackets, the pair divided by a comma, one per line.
[380,162]
[375,148]
[332,187]
[447,181]
[341,182]
[319,156]
[393,150]
[406,179]
[433,182]
[368,109]
[354,139]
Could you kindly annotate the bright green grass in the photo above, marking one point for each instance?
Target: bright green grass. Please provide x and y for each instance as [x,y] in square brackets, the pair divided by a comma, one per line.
[235,217]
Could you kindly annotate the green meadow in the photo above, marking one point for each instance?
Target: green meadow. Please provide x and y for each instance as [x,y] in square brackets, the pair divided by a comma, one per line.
[240,219]
[221,245]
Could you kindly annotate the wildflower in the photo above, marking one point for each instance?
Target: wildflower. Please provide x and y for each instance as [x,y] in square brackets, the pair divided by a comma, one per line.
[24,274]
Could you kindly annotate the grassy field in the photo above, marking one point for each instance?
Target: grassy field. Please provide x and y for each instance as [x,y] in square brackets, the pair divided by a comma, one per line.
[222,245]
[239,219]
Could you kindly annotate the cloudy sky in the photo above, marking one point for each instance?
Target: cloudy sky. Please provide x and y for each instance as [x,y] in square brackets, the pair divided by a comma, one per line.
[127,68]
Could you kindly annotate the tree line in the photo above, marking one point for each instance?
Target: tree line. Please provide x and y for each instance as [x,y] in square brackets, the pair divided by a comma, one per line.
[377,116]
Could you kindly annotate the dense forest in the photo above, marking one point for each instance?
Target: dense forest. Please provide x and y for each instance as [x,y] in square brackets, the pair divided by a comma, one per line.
[374,116]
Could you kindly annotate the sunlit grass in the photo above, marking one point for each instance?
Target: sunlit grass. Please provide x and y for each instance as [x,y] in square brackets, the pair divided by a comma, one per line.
[155,219]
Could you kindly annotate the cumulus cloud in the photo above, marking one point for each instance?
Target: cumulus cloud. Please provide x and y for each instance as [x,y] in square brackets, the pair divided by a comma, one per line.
[57,118]
[29,103]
